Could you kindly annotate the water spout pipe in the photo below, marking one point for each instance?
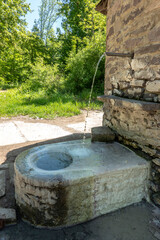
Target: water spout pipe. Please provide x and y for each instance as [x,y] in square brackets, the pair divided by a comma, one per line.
[131,55]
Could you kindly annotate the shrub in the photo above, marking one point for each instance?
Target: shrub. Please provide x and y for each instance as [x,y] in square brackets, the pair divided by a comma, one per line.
[45,77]
[81,66]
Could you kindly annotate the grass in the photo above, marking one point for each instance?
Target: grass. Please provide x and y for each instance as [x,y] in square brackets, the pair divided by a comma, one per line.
[38,105]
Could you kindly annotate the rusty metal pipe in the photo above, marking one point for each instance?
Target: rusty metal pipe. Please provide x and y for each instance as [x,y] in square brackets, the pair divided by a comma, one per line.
[131,55]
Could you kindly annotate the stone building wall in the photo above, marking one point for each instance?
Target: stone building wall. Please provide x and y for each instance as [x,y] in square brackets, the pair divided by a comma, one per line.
[132,85]
[134,26]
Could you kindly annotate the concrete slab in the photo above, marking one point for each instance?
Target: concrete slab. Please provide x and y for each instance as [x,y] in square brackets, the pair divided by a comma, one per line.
[40,131]
[17,131]
[79,127]
[100,178]
[9,134]
[93,120]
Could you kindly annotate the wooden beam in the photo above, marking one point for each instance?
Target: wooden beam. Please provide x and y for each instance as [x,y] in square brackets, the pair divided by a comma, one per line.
[102,7]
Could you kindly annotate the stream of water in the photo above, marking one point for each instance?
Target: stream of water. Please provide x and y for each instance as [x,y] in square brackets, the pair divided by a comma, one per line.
[90,97]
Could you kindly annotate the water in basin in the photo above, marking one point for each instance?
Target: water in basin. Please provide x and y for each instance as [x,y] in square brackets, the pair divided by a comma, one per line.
[53,161]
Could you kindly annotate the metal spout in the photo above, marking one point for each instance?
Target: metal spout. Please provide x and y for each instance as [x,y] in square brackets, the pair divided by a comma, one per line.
[131,55]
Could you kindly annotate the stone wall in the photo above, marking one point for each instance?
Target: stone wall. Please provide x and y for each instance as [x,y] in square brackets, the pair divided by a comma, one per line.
[137,124]
[132,108]
[134,26]
[137,121]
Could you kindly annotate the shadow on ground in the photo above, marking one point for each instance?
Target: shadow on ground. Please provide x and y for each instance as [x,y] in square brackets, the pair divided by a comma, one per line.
[131,223]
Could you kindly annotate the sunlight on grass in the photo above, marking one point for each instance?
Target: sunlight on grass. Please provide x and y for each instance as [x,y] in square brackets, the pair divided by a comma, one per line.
[14,103]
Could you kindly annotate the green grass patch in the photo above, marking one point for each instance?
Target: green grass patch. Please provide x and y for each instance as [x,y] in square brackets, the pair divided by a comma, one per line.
[38,104]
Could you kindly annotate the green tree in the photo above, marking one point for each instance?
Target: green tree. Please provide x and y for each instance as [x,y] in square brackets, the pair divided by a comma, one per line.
[12,34]
[80,23]
[12,21]
[81,20]
[47,17]
[80,67]
[83,42]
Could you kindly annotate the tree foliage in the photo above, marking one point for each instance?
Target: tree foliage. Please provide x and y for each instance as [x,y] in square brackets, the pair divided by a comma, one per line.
[11,21]
[71,53]
[81,20]
[12,35]
[83,42]
[81,67]
[47,17]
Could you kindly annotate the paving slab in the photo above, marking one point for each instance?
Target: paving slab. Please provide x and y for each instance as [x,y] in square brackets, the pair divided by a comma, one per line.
[94,119]
[40,131]
[10,134]
[18,131]
[79,127]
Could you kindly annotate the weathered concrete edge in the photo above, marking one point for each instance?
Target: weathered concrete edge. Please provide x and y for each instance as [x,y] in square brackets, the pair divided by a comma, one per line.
[130,103]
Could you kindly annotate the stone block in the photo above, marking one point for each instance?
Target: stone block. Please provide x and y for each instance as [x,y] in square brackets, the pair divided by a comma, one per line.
[102,178]
[124,85]
[118,92]
[135,92]
[125,7]
[155,176]
[133,15]
[148,150]
[156,199]
[102,134]
[131,43]
[8,215]
[151,48]
[153,87]
[138,64]
[4,166]
[157,72]
[130,104]
[113,70]
[154,34]
[147,74]
[155,99]
[108,85]
[135,2]
[137,83]
[155,60]
[111,32]
[2,183]
[149,96]
[156,161]
[114,82]
[155,187]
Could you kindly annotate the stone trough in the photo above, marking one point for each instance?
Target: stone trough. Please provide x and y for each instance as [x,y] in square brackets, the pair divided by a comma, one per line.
[64,184]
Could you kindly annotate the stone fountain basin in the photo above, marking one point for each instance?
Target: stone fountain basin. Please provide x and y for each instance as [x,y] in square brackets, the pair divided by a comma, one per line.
[64,184]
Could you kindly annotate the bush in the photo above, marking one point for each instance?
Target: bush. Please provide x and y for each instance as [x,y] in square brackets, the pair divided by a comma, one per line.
[44,77]
[81,66]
